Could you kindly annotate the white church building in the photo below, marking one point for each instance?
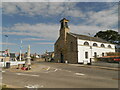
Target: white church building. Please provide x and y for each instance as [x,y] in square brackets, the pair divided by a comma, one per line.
[91,49]
[77,48]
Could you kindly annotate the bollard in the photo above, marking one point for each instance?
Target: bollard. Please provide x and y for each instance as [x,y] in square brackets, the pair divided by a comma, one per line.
[66,62]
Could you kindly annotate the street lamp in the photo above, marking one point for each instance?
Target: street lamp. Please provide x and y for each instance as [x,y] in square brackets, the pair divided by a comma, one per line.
[6,36]
[20,50]
[6,41]
[90,48]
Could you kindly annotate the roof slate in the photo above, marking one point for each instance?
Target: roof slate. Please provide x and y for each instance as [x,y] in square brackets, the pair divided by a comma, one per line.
[84,37]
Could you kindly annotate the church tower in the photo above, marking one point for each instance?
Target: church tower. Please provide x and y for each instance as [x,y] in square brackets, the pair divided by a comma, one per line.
[64,29]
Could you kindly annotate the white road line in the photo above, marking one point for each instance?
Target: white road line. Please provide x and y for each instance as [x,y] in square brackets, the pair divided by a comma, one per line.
[52,71]
[55,70]
[81,74]
[34,86]
[48,68]
[3,71]
[27,74]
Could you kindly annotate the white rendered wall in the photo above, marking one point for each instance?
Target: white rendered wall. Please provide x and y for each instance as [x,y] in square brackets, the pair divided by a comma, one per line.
[99,50]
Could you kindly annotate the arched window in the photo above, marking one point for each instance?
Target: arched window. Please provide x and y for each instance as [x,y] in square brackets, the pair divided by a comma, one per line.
[109,46]
[71,46]
[95,54]
[103,54]
[86,43]
[95,44]
[102,45]
[86,55]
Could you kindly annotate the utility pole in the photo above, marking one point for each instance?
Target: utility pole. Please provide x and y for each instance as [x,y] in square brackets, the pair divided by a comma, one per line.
[6,41]
[6,36]
[90,49]
[20,50]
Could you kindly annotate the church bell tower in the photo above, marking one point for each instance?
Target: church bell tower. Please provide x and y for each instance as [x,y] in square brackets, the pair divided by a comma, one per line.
[64,29]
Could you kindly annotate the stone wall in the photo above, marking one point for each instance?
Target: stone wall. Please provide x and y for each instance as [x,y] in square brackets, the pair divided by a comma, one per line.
[72,51]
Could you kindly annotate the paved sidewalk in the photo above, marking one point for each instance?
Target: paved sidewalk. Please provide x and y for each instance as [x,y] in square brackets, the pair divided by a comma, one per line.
[101,65]
[105,64]
[34,68]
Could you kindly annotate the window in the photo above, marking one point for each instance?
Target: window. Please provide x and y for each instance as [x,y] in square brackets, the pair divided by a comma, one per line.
[66,25]
[95,44]
[62,25]
[102,54]
[109,46]
[71,46]
[102,45]
[86,55]
[86,43]
[95,54]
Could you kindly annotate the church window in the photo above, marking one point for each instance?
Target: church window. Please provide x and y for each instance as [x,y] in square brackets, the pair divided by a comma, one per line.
[109,46]
[86,43]
[86,55]
[66,25]
[71,46]
[95,54]
[62,24]
[102,45]
[95,44]
[102,54]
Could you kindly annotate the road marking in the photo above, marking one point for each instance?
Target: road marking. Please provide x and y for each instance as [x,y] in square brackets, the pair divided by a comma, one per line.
[34,86]
[3,71]
[55,70]
[27,74]
[48,68]
[81,74]
[52,71]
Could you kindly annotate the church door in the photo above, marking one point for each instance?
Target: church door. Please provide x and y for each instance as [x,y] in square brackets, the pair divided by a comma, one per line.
[62,58]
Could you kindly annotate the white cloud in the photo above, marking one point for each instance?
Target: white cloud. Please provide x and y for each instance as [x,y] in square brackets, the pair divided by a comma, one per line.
[107,18]
[93,21]
[45,9]
[60,1]
[33,39]
[42,43]
[3,43]
[49,31]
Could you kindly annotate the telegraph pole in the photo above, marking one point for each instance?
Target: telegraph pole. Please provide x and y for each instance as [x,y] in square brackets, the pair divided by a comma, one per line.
[6,36]
[20,49]
[90,48]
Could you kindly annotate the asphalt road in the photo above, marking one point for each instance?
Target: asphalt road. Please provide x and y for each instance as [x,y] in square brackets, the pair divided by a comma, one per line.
[54,75]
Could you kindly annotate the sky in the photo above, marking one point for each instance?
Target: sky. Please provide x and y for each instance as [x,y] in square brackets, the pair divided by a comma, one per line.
[37,23]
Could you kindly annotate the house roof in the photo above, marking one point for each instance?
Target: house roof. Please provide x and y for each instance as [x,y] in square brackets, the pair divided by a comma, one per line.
[84,37]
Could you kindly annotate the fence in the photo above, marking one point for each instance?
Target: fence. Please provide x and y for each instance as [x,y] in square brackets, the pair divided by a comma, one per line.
[2,64]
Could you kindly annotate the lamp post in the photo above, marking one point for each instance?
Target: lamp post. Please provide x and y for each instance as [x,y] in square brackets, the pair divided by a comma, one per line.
[90,49]
[20,49]
[6,36]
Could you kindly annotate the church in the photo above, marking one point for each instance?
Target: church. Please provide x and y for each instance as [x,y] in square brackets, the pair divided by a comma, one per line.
[75,48]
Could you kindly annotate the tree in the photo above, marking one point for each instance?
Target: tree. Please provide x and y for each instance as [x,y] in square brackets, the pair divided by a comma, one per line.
[110,36]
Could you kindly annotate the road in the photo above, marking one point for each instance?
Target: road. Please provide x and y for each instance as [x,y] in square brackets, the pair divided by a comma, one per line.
[55,75]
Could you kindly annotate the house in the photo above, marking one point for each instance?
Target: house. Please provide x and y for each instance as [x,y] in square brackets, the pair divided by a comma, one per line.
[76,48]
[49,56]
[4,56]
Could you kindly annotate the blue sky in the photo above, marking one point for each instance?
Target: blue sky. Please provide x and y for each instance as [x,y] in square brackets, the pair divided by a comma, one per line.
[37,24]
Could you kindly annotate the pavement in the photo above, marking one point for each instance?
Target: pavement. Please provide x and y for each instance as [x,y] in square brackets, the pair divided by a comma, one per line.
[101,65]
[61,75]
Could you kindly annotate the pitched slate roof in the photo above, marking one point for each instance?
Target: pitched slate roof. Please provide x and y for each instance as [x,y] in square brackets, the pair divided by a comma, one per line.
[84,37]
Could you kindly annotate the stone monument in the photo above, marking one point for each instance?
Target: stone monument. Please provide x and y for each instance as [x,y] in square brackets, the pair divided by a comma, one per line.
[28,59]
